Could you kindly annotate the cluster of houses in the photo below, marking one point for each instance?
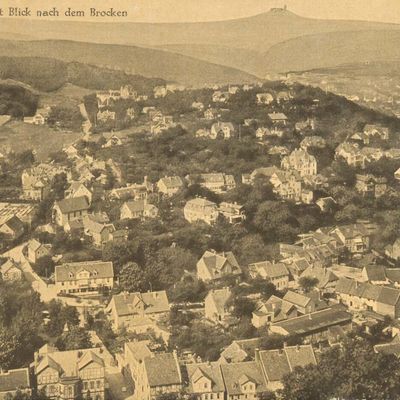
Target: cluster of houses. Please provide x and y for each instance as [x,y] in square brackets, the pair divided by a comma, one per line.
[357,152]
[295,180]
[340,297]
[243,372]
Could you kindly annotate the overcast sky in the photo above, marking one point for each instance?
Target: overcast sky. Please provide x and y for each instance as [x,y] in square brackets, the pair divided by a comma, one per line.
[209,10]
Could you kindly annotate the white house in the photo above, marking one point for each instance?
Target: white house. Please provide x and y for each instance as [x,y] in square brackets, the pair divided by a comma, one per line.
[201,210]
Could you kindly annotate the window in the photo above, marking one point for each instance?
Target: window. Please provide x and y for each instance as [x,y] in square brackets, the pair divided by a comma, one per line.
[98,384]
[92,385]
[85,385]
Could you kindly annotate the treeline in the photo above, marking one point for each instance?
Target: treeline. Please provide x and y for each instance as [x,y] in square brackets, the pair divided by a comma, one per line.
[47,74]
[17,101]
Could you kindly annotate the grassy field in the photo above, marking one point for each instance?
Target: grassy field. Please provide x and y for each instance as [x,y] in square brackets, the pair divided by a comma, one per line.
[68,95]
[20,136]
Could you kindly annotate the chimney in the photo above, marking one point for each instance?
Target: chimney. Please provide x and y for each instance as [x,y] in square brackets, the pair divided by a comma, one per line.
[285,344]
[309,316]
[257,354]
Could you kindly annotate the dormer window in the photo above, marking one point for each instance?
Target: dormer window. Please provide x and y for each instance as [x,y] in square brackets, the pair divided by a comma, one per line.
[71,275]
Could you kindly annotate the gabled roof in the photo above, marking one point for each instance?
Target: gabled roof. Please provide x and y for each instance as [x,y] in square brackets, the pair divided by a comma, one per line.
[240,350]
[375,273]
[218,261]
[73,204]
[278,363]
[172,182]
[211,371]
[381,294]
[220,298]
[97,269]
[14,379]
[324,276]
[14,223]
[393,274]
[139,349]
[48,361]
[389,296]
[162,369]
[88,358]
[68,363]
[9,264]
[233,375]
[153,302]
[34,245]
[269,269]
[296,298]
[315,321]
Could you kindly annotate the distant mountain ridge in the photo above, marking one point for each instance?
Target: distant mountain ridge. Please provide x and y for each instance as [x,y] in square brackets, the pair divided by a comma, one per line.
[251,46]
[47,74]
[134,60]
[334,49]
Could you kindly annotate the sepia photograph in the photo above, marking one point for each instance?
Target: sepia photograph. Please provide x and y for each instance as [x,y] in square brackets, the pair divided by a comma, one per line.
[200,200]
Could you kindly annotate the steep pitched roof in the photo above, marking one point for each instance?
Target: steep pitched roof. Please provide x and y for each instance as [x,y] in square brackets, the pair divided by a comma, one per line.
[162,369]
[154,302]
[9,264]
[34,244]
[240,350]
[375,272]
[278,363]
[381,294]
[14,223]
[234,373]
[220,298]
[296,298]
[217,261]
[324,276]
[211,371]
[89,357]
[139,349]
[172,182]
[73,204]
[389,296]
[269,269]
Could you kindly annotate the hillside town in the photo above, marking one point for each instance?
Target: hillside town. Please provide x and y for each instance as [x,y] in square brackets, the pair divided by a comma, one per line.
[217,243]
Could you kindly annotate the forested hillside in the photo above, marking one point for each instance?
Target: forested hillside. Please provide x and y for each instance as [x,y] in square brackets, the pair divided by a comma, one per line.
[47,74]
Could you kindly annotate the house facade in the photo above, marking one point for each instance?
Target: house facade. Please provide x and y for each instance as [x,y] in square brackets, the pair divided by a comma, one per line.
[138,312]
[10,272]
[214,266]
[138,209]
[37,250]
[301,161]
[170,185]
[216,305]
[67,375]
[205,381]
[67,210]
[84,278]
[276,273]
[201,210]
